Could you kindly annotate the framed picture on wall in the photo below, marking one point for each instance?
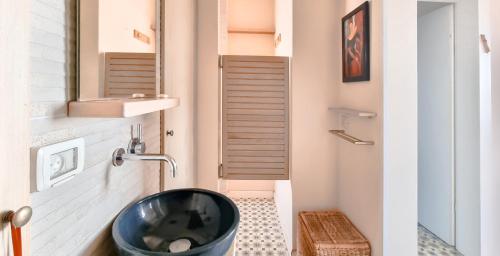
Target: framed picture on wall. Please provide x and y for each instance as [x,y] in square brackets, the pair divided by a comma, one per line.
[356,45]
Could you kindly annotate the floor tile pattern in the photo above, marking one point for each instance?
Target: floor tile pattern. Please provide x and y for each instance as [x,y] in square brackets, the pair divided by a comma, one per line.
[430,244]
[260,232]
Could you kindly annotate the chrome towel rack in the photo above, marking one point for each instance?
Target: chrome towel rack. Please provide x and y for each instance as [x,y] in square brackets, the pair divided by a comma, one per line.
[351,139]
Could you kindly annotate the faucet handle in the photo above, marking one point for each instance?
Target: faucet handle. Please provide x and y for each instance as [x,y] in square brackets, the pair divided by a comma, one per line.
[139,132]
[136,145]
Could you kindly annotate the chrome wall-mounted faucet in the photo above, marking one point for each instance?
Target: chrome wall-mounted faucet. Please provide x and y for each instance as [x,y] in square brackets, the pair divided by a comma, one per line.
[135,152]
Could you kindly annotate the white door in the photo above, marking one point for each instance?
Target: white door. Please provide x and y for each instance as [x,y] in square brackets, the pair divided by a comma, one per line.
[14,112]
[436,123]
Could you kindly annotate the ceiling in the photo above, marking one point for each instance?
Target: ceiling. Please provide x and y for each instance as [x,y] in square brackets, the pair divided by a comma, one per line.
[427,7]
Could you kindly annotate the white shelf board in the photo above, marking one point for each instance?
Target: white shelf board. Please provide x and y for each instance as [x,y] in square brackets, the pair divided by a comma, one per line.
[353,112]
[119,108]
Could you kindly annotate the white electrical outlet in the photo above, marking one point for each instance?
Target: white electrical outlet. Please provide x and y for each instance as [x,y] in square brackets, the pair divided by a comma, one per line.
[57,163]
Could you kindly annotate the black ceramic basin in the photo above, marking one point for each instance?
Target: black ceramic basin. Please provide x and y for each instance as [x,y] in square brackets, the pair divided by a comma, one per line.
[177,222]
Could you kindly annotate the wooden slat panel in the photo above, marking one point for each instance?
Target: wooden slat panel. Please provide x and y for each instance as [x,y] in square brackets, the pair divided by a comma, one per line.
[255,130]
[255,70]
[256,153]
[150,80]
[254,172]
[231,176]
[129,55]
[254,159]
[255,118]
[255,76]
[131,68]
[255,114]
[254,82]
[250,64]
[255,106]
[130,85]
[264,88]
[253,165]
[255,142]
[255,94]
[138,62]
[254,100]
[254,147]
[129,73]
[256,124]
[242,135]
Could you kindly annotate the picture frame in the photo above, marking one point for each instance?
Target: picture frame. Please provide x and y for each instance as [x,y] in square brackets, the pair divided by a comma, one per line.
[356,45]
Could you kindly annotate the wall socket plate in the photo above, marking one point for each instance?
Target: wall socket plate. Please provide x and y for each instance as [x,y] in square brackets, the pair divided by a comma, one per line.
[55,164]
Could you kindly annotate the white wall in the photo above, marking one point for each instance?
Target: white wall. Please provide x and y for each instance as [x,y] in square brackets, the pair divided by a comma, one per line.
[250,44]
[284,206]
[179,79]
[399,126]
[249,185]
[254,16]
[283,194]
[117,21]
[495,85]
[315,78]
[467,151]
[490,124]
[75,218]
[251,14]
[283,13]
[90,44]
[359,183]
[207,95]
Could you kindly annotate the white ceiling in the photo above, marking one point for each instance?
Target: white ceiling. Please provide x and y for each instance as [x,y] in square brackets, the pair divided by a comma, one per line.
[427,7]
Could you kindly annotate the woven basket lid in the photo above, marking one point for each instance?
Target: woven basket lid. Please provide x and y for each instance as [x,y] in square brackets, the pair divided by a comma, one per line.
[332,229]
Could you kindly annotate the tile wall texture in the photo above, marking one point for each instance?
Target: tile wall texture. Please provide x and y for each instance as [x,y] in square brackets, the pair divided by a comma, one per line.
[75,218]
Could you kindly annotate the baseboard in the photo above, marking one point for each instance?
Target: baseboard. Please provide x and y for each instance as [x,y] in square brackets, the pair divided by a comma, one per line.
[250,194]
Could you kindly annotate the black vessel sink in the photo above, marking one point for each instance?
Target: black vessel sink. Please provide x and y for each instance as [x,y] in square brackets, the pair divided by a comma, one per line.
[177,222]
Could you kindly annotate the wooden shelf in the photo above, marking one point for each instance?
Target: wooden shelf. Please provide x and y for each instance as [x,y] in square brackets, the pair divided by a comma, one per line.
[119,108]
[250,31]
[353,112]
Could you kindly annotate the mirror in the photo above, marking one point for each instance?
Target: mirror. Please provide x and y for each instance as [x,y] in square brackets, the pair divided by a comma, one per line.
[118,52]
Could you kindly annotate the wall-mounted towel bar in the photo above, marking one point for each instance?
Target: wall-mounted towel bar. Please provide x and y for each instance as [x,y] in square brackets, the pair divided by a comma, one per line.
[351,139]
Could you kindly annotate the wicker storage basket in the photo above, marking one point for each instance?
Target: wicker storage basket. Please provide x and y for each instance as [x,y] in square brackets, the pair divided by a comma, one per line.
[330,233]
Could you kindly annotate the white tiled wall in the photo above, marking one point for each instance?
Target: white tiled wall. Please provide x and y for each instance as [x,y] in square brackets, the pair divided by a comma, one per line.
[75,218]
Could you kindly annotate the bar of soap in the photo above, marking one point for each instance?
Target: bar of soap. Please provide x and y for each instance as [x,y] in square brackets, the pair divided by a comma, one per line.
[180,245]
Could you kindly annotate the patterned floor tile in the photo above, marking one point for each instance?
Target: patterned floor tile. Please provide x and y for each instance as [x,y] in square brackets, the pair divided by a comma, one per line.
[260,230]
[430,244]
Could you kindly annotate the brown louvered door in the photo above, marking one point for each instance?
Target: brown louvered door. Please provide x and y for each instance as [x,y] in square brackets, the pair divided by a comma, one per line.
[255,117]
[128,73]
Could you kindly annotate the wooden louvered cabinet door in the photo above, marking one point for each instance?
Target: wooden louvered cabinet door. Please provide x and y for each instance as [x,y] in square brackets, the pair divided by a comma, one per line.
[128,73]
[255,117]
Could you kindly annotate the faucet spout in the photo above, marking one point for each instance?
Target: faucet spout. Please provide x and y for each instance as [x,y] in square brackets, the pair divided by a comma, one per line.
[119,156]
